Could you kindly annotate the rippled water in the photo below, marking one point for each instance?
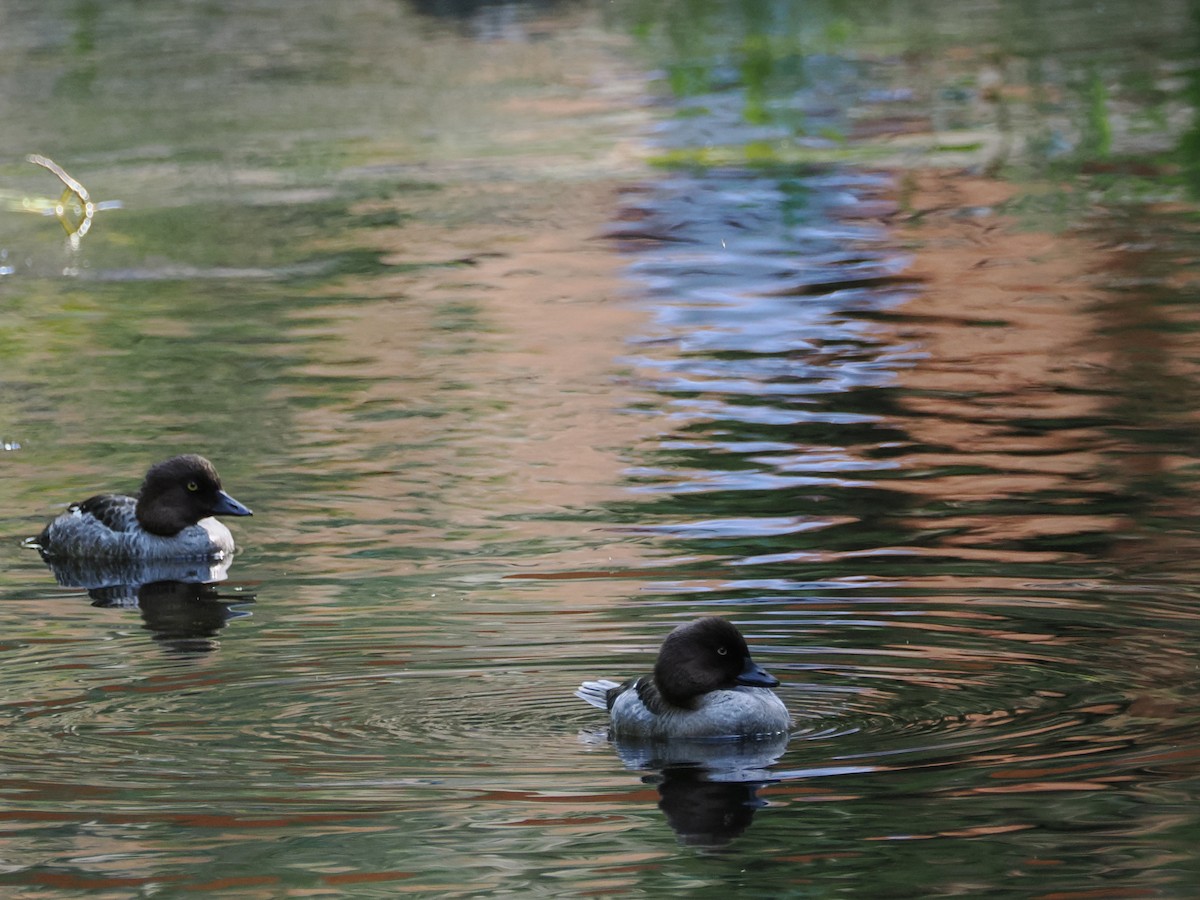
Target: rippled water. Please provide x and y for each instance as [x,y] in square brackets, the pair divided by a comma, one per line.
[528,334]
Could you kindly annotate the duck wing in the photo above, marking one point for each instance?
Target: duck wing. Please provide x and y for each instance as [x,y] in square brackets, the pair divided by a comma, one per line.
[116,512]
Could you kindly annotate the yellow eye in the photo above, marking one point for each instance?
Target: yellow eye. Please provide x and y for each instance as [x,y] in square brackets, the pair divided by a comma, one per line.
[722,651]
[192,486]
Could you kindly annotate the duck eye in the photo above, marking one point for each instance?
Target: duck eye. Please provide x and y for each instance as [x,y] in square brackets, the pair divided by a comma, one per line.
[722,650]
[192,486]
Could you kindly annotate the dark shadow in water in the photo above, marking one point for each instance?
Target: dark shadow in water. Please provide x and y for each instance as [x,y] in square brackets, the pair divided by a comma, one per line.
[469,9]
[179,600]
[703,812]
[708,790]
[488,21]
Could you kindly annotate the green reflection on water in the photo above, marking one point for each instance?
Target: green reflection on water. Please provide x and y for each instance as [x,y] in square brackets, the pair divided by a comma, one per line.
[1049,89]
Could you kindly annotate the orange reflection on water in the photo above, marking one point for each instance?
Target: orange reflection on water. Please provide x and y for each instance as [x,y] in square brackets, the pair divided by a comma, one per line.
[1008,388]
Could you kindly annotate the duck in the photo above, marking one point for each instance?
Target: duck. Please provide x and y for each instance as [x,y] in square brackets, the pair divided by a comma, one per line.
[170,518]
[704,685]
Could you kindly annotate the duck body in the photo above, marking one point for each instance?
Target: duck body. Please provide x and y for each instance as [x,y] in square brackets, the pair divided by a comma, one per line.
[640,711]
[704,685]
[170,518]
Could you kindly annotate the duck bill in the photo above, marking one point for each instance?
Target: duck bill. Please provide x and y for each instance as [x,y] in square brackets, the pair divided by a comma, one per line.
[754,675]
[227,506]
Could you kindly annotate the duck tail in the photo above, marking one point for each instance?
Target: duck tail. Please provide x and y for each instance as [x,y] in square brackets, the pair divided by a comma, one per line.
[596,692]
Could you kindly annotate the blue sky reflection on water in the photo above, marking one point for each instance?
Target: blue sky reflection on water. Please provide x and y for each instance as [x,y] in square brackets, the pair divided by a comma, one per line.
[528,335]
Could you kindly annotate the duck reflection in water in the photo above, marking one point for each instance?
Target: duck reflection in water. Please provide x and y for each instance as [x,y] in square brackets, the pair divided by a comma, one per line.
[179,600]
[708,789]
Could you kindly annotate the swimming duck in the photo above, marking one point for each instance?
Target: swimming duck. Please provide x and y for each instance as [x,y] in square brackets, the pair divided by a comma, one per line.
[170,518]
[704,685]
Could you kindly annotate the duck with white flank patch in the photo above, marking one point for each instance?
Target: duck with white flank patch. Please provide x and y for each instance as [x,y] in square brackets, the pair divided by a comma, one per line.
[170,518]
[704,685]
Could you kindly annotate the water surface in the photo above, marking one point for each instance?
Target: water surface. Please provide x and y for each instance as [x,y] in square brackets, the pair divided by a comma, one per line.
[533,332]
